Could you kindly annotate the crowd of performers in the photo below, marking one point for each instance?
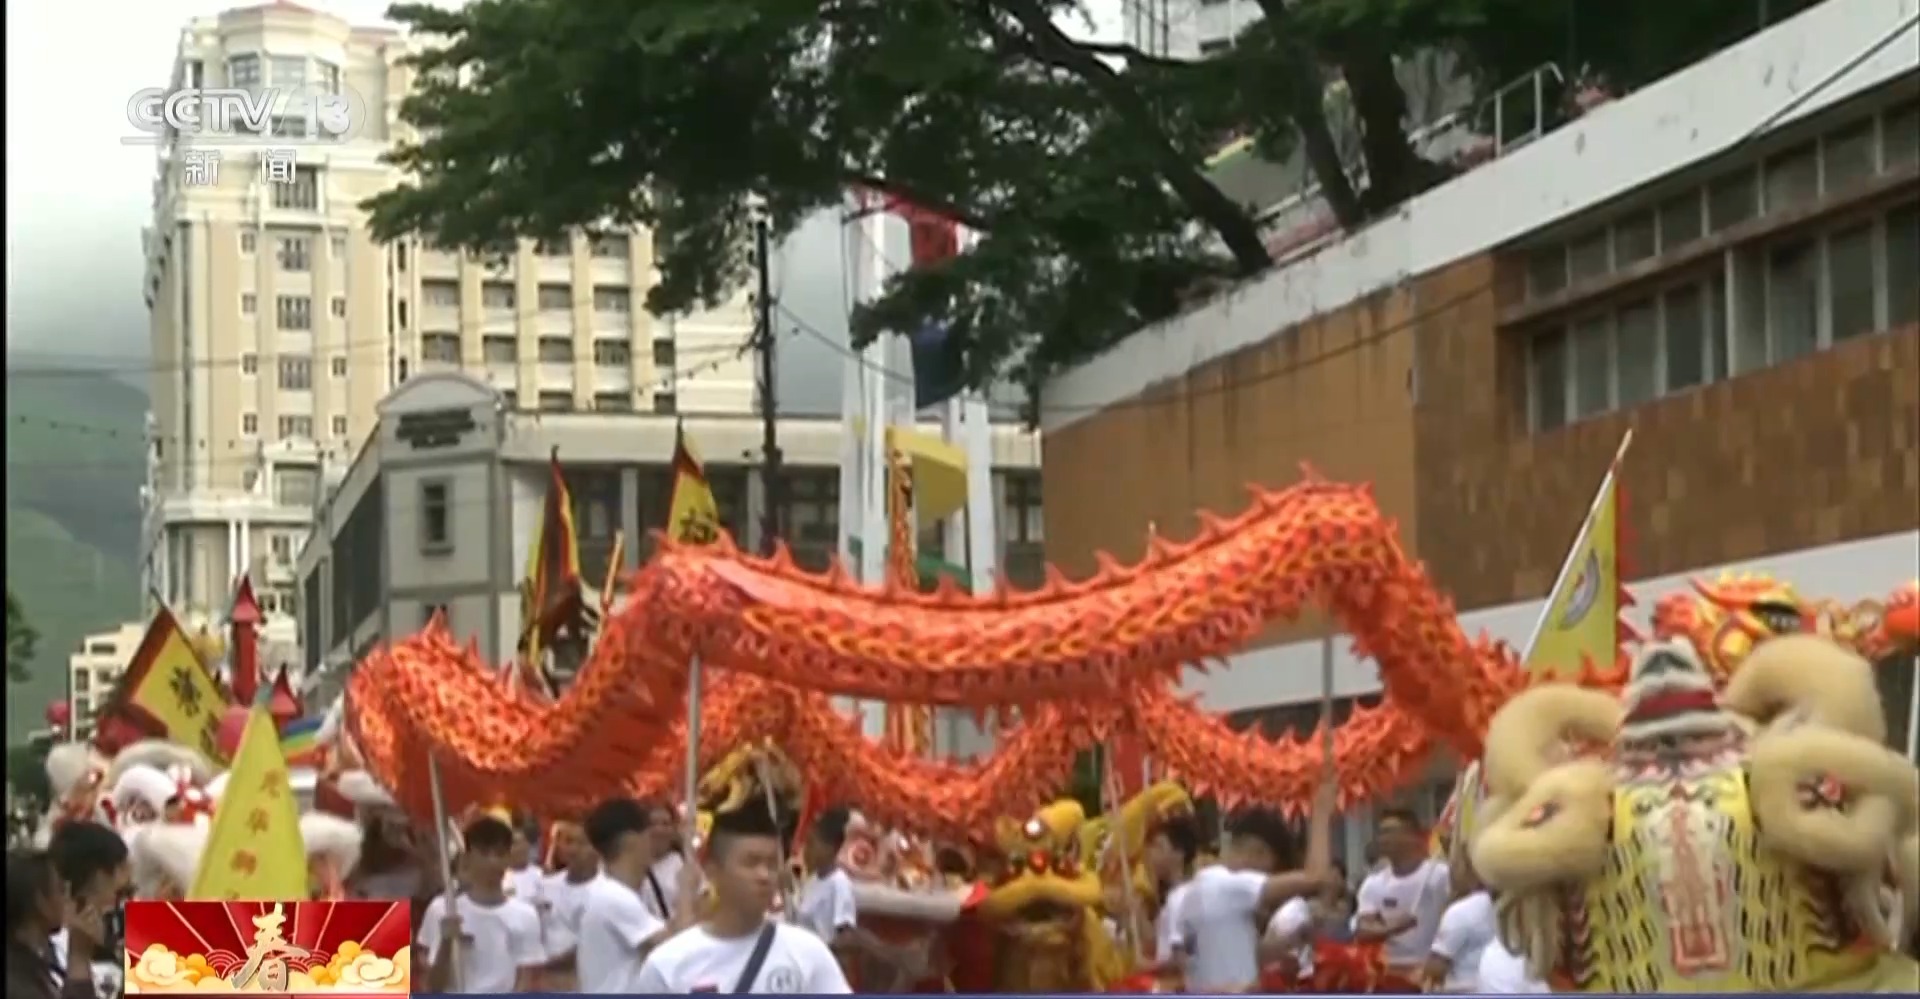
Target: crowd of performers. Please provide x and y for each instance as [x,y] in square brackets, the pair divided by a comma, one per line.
[623,901]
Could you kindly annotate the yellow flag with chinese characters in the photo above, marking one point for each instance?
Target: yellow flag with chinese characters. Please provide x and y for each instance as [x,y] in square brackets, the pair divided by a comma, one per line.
[168,687]
[254,852]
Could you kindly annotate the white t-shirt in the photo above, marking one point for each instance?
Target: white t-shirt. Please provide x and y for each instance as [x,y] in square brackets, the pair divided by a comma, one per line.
[1466,928]
[695,960]
[614,922]
[662,885]
[1218,923]
[501,939]
[561,899]
[827,905]
[1502,972]
[1167,940]
[1423,893]
[524,884]
[1294,918]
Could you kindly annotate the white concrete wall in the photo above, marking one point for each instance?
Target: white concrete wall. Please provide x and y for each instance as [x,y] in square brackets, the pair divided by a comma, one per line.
[1288,674]
[1782,75]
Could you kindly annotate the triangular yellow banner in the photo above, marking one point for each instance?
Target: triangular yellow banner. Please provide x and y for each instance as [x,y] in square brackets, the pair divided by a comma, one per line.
[254,852]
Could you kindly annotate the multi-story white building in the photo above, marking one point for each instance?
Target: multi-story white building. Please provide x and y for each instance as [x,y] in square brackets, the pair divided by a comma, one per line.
[278,321]
[93,669]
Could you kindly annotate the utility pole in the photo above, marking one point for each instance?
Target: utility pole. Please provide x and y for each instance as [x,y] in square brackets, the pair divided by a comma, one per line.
[767,344]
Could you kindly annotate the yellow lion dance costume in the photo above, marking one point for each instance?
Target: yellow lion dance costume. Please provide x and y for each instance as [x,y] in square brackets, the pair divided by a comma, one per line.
[1730,843]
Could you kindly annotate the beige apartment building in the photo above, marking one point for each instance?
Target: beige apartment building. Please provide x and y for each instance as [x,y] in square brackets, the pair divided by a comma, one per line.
[93,669]
[278,322]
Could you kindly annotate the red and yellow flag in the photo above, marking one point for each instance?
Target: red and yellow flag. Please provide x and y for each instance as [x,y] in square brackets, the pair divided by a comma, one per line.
[550,595]
[693,516]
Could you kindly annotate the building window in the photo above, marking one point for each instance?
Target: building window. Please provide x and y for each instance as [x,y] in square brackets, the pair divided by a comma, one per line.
[509,400]
[1682,220]
[1793,178]
[441,347]
[339,306]
[329,77]
[612,353]
[296,372]
[337,246]
[248,241]
[281,545]
[614,300]
[498,295]
[665,404]
[1591,255]
[1634,239]
[560,247]
[302,194]
[249,304]
[613,402]
[555,350]
[1900,136]
[1023,530]
[339,426]
[296,428]
[440,294]
[813,517]
[293,312]
[436,516]
[249,424]
[1796,295]
[249,364]
[611,245]
[288,71]
[663,354]
[556,298]
[1732,200]
[556,402]
[295,253]
[499,350]
[337,365]
[243,70]
[1546,270]
[1848,157]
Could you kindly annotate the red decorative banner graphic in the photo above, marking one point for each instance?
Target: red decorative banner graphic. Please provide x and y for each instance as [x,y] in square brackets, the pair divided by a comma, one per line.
[335,949]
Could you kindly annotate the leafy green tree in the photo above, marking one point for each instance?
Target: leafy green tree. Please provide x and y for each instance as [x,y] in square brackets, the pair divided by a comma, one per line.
[27,775]
[1081,164]
[22,641]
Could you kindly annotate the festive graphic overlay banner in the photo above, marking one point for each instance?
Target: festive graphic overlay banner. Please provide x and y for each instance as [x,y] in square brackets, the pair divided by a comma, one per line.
[333,949]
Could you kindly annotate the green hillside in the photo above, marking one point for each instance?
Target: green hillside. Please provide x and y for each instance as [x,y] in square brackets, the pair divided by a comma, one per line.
[74,470]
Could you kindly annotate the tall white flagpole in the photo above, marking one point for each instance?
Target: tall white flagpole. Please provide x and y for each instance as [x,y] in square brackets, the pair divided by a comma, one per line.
[874,372]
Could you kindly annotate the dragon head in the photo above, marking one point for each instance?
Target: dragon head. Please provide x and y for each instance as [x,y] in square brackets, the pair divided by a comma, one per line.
[1047,877]
[1726,618]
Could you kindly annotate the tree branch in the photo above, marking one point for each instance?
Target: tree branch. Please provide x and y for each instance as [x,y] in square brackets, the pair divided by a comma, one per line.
[1235,228]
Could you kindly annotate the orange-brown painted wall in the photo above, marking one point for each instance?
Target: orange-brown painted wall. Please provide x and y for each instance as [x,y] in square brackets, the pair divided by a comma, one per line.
[1332,393]
[1821,450]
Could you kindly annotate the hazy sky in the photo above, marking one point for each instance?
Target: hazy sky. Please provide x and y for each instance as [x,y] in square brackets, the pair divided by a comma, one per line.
[77,198]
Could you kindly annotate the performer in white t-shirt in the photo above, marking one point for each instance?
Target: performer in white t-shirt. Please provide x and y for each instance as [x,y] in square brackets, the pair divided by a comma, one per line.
[617,929]
[743,866]
[1219,917]
[562,894]
[498,938]
[523,872]
[1502,972]
[1466,928]
[1401,902]
[1169,858]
